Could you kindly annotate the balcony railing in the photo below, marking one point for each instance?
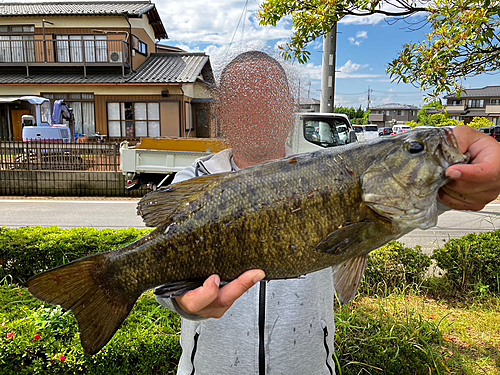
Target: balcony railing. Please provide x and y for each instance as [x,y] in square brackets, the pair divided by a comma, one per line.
[72,51]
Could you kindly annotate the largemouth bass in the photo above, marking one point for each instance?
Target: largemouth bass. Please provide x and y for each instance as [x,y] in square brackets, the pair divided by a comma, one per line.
[288,217]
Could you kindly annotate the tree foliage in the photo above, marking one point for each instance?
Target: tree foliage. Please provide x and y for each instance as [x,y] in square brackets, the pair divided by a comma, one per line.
[479,122]
[463,41]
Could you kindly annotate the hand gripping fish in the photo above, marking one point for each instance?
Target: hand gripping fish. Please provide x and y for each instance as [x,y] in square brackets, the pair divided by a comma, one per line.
[288,217]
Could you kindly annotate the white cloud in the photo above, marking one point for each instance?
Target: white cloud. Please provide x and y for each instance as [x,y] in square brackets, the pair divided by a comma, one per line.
[362,34]
[354,42]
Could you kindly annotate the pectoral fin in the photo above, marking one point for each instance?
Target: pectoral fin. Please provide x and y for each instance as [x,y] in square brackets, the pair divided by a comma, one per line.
[347,277]
[343,238]
[178,288]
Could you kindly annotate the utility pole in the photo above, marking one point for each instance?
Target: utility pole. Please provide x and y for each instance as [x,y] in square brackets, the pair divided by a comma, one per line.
[369,98]
[328,71]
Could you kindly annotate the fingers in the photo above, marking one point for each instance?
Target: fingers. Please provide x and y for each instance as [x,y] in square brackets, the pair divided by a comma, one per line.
[211,302]
[198,299]
[459,201]
[236,288]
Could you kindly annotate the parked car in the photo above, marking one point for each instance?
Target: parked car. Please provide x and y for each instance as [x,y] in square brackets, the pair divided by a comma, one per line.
[487,130]
[384,131]
[359,132]
[396,129]
[366,132]
[495,133]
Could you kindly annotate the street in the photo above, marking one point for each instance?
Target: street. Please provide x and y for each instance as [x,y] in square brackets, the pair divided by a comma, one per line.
[118,213]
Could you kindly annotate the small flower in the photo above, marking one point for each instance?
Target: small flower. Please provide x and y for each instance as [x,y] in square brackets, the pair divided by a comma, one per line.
[10,336]
[62,358]
[37,337]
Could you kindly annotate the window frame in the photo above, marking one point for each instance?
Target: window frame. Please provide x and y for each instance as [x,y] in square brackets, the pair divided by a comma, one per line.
[123,118]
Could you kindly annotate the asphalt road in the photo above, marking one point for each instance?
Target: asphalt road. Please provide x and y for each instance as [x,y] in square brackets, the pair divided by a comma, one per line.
[121,213]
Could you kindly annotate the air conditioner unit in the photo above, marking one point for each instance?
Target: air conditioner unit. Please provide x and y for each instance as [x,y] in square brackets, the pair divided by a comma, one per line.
[116,57]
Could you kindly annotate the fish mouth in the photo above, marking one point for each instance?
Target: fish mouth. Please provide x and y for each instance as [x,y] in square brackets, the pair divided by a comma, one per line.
[449,152]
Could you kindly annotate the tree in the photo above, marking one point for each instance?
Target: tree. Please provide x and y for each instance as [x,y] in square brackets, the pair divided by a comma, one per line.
[480,122]
[423,118]
[463,42]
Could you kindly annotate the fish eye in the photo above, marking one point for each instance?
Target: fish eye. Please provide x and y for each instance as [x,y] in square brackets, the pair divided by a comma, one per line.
[414,147]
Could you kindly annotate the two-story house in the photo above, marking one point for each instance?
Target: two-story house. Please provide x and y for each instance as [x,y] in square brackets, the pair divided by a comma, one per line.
[483,102]
[388,115]
[104,60]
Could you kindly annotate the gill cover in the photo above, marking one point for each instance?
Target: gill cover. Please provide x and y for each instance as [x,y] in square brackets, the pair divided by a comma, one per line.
[402,185]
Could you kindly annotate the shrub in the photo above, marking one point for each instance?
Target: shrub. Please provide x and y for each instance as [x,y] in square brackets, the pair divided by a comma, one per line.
[472,263]
[25,252]
[395,265]
[41,339]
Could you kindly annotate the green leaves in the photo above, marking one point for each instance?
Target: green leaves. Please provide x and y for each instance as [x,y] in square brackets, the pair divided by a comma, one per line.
[463,42]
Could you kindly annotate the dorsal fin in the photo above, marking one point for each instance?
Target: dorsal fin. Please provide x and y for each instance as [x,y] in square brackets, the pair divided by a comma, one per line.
[158,206]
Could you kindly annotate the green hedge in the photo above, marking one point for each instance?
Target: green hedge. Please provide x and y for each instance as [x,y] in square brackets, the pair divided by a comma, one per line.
[395,264]
[472,263]
[37,339]
[24,252]
[43,339]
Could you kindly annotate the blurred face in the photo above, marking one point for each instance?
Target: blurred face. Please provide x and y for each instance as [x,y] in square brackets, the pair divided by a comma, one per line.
[255,109]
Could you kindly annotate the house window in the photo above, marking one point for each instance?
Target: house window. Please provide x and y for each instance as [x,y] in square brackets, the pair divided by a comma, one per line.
[400,112]
[17,43]
[139,46]
[454,102]
[496,121]
[495,101]
[80,48]
[83,109]
[133,119]
[389,113]
[476,103]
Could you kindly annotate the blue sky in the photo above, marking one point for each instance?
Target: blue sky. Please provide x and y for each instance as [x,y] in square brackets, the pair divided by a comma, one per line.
[365,45]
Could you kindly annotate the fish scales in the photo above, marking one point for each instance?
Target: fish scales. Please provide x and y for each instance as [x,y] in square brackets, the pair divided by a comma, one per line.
[257,210]
[288,217]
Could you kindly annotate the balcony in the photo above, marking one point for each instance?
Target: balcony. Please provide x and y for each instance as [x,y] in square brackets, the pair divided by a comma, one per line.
[64,51]
[492,109]
[376,117]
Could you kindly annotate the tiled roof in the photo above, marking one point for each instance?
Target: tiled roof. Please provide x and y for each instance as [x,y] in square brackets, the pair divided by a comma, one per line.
[132,8]
[87,8]
[159,68]
[309,101]
[486,92]
[393,106]
[170,67]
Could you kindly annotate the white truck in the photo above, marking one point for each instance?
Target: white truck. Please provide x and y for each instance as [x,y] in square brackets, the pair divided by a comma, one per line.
[154,161]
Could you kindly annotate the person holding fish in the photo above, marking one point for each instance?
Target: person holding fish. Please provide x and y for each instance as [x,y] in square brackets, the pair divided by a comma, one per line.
[284,326]
[253,208]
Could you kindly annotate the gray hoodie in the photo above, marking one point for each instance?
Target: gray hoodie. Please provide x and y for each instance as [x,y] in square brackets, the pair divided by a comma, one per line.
[277,327]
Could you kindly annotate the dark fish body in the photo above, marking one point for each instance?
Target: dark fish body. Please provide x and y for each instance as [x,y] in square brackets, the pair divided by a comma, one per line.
[288,217]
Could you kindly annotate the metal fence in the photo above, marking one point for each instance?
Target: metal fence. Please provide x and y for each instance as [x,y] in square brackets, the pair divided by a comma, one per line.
[16,155]
[65,169]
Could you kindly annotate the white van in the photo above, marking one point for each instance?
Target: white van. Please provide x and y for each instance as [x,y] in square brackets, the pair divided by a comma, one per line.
[366,132]
[370,131]
[400,128]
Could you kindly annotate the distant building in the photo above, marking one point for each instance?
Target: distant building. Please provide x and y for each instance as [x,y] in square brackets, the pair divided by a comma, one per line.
[484,102]
[387,115]
[309,105]
[104,59]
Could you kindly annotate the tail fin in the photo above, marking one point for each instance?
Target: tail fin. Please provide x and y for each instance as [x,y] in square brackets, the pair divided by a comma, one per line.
[98,310]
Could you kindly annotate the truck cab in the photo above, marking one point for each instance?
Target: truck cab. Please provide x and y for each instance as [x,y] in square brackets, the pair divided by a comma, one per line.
[313,131]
